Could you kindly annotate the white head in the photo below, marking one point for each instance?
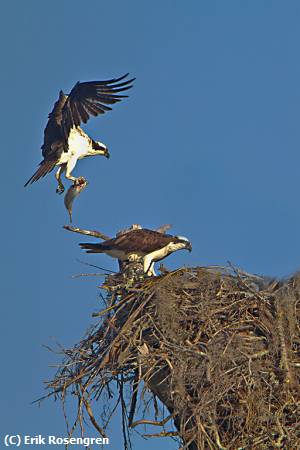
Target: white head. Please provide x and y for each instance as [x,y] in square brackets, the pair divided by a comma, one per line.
[182,238]
[180,243]
[98,148]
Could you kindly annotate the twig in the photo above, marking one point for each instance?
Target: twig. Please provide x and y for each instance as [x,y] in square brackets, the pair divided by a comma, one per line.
[135,386]
[163,228]
[92,418]
[162,434]
[93,265]
[94,233]
[160,423]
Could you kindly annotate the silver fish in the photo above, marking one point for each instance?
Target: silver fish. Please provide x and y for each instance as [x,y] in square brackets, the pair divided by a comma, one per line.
[73,192]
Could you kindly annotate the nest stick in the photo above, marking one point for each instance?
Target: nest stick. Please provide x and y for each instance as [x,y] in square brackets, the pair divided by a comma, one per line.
[94,233]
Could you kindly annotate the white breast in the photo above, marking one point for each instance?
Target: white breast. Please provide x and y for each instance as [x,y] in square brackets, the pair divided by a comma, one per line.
[157,255]
[79,143]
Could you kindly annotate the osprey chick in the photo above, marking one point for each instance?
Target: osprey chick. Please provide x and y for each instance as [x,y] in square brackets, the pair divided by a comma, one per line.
[148,245]
[64,141]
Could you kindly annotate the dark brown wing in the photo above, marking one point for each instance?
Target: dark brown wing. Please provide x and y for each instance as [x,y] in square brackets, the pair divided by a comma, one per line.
[92,248]
[90,99]
[140,241]
[45,167]
[53,136]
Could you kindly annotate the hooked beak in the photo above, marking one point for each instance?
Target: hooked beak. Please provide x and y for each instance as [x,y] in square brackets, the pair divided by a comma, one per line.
[103,149]
[189,247]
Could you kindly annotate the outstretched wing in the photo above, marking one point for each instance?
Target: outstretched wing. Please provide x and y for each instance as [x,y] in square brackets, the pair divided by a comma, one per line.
[91,98]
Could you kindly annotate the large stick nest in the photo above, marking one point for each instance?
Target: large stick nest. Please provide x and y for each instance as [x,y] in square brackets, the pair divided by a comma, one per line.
[218,347]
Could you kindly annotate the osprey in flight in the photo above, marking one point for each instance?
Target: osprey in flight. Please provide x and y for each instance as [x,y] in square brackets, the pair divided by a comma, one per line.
[137,244]
[64,141]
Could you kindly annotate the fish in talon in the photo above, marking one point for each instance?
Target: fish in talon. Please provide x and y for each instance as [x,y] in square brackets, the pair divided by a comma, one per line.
[73,192]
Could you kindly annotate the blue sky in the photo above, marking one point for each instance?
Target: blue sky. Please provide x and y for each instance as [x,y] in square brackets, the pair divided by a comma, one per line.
[208,141]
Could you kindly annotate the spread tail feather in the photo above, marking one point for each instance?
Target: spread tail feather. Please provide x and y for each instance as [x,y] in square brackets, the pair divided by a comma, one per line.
[92,248]
[44,168]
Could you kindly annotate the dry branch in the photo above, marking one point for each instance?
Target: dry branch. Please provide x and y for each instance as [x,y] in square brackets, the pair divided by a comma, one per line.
[96,234]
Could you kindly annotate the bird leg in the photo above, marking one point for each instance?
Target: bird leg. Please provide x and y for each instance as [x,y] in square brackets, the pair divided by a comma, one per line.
[69,167]
[60,189]
[149,267]
[151,271]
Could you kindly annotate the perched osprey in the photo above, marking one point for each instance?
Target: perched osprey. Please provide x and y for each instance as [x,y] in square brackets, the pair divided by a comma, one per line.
[64,141]
[140,244]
